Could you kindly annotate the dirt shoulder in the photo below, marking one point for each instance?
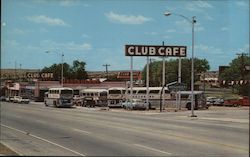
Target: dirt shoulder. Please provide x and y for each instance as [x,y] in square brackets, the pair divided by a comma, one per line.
[5,151]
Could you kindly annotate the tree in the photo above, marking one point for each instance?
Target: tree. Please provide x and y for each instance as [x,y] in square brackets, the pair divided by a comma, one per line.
[237,71]
[77,71]
[171,68]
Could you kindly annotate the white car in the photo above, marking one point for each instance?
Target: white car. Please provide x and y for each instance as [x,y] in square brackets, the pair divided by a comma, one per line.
[136,104]
[16,99]
[19,99]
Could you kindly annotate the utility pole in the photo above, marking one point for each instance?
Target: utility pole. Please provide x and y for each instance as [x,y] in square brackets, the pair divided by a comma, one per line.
[107,74]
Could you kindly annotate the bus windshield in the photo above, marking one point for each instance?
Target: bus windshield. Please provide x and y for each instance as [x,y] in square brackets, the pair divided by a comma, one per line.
[115,92]
[66,92]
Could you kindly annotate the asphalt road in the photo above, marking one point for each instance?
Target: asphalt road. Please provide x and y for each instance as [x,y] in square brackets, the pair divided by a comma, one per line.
[33,129]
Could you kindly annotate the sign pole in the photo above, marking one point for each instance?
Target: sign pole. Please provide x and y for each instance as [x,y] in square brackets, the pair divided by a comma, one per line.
[179,81]
[147,83]
[131,79]
[163,78]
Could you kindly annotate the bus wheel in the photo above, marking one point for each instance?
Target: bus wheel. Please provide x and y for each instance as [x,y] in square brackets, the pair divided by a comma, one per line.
[54,103]
[45,103]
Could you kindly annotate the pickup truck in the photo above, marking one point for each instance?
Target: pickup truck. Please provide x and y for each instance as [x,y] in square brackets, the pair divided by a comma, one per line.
[244,101]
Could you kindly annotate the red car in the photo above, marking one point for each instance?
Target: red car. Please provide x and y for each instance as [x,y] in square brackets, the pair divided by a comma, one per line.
[244,101]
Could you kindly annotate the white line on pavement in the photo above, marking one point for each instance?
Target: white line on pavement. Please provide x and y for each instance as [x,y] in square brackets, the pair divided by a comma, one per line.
[43,139]
[153,149]
[82,131]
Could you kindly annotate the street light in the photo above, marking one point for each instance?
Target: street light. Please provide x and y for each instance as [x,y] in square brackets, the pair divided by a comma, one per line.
[192,21]
[61,68]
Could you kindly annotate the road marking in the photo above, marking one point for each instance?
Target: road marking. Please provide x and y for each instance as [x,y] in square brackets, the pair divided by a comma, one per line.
[153,149]
[220,119]
[40,138]
[82,131]
[227,119]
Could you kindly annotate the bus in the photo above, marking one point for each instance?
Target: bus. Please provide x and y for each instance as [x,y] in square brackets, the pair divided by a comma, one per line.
[116,95]
[59,97]
[94,97]
[199,100]
[154,95]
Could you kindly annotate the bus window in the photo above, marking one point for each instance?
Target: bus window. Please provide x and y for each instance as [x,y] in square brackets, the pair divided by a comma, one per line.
[142,92]
[65,92]
[167,91]
[115,92]
[103,94]
[154,91]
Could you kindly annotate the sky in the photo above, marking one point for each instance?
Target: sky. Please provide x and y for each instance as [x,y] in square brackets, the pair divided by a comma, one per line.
[96,31]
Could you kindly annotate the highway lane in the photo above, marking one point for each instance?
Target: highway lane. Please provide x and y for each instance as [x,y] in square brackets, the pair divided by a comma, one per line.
[91,132]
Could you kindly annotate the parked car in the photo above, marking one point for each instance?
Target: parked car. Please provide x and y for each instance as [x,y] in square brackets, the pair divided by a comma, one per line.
[23,99]
[214,101]
[136,104]
[15,99]
[77,100]
[19,99]
[210,100]
[2,98]
[218,101]
[243,101]
[89,102]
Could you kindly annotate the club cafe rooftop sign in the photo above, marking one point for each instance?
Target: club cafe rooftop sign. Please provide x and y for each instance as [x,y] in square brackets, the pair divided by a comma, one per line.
[153,50]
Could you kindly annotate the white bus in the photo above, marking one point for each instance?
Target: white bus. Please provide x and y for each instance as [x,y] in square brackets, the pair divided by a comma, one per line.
[199,100]
[154,95]
[116,95]
[59,97]
[94,97]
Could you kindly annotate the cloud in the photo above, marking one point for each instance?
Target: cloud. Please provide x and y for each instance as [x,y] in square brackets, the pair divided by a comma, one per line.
[47,20]
[208,50]
[85,35]
[127,19]
[69,46]
[244,49]
[12,43]
[3,24]
[198,6]
[69,3]
[167,37]
[171,31]
[242,3]
[185,26]
[78,47]
[224,29]
[151,33]
[208,17]
[20,31]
